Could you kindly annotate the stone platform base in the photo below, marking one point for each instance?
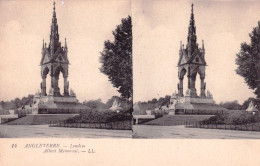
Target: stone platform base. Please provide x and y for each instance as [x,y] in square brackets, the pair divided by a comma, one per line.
[56,105]
[195,105]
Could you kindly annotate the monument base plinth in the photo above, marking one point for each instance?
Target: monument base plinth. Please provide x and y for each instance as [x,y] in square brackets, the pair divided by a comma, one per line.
[195,105]
[57,105]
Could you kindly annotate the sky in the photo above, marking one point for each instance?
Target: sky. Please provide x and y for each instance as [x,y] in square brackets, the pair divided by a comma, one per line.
[85,24]
[160,25]
[158,28]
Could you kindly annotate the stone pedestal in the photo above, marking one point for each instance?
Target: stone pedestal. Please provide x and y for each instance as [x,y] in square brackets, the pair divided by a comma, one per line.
[66,87]
[171,112]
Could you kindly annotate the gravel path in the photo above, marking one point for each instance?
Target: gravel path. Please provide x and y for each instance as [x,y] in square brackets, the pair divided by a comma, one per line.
[44,131]
[148,131]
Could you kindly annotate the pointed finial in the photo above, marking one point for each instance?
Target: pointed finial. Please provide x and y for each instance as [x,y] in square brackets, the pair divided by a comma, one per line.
[192,14]
[54,12]
[203,44]
[65,42]
[42,43]
[180,45]
[65,46]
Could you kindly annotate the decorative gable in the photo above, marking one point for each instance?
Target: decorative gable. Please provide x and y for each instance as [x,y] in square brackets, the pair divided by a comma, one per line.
[182,59]
[60,59]
[197,59]
[46,59]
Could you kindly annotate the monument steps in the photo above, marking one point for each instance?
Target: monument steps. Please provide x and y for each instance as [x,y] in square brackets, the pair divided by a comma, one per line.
[40,119]
[174,120]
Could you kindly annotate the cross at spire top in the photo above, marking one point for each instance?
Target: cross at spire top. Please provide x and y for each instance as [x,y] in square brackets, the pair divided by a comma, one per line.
[54,5]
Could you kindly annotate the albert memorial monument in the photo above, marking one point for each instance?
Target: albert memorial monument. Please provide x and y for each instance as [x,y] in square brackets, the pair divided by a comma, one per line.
[192,63]
[55,61]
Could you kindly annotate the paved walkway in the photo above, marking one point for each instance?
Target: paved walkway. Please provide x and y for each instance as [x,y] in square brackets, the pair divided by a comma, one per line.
[44,131]
[151,131]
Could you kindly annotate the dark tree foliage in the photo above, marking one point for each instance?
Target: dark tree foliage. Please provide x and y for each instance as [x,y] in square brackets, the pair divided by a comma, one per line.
[95,116]
[255,102]
[116,58]
[236,119]
[17,103]
[154,103]
[248,61]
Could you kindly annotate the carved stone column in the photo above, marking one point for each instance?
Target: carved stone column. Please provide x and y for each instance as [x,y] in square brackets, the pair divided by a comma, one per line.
[43,86]
[202,87]
[56,86]
[52,81]
[66,87]
[193,86]
[189,81]
[180,87]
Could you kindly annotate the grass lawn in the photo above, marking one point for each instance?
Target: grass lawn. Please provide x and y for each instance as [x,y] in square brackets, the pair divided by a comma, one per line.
[173,120]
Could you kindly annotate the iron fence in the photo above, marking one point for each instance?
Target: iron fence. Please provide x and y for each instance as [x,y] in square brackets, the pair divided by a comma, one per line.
[244,127]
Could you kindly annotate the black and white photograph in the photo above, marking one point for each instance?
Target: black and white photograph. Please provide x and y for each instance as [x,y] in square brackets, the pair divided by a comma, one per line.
[129,82]
[196,69]
[66,69]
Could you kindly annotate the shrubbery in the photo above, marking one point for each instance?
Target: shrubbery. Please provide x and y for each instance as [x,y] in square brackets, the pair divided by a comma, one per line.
[236,119]
[96,116]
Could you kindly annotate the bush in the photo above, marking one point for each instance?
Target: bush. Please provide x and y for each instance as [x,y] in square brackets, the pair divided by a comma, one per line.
[236,119]
[218,119]
[95,116]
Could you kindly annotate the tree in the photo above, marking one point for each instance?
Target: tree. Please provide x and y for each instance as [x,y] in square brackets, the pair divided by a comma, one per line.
[116,58]
[231,105]
[95,104]
[248,61]
[255,102]
[18,102]
[124,103]
[153,101]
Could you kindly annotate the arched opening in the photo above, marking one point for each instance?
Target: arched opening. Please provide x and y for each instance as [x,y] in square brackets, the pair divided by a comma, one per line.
[182,82]
[60,79]
[199,84]
[61,84]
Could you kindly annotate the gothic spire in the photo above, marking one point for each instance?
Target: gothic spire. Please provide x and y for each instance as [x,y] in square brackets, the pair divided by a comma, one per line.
[54,19]
[192,29]
[192,38]
[54,36]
